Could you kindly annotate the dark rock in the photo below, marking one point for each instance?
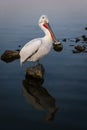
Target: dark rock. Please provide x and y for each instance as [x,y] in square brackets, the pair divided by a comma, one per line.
[80,48]
[57,47]
[85,28]
[77,40]
[64,40]
[19,46]
[35,73]
[9,56]
[84,38]
[18,50]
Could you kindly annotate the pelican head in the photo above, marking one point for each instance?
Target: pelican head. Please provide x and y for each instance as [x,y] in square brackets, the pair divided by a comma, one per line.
[43,19]
[45,26]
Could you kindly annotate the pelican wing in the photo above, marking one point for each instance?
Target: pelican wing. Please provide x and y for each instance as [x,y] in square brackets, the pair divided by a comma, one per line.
[29,49]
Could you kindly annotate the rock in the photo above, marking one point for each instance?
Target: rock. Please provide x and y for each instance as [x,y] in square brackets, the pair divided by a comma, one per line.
[18,50]
[19,46]
[84,38]
[57,47]
[85,28]
[9,56]
[77,40]
[80,48]
[35,73]
[64,40]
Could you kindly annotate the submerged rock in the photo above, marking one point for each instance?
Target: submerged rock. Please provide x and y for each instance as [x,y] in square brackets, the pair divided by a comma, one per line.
[9,56]
[35,73]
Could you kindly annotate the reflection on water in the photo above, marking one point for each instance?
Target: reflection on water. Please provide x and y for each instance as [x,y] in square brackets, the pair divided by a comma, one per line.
[39,98]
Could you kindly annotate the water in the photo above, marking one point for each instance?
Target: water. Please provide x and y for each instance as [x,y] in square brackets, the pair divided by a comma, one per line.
[65,81]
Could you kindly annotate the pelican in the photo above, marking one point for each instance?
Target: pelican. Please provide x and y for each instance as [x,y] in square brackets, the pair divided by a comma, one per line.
[39,47]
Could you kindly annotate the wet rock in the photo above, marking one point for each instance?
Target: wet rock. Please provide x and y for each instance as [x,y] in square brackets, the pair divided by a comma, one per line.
[9,56]
[58,47]
[80,48]
[77,40]
[64,40]
[18,50]
[36,73]
[19,46]
[84,38]
[85,28]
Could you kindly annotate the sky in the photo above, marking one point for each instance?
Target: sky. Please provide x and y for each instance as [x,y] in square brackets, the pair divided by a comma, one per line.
[29,11]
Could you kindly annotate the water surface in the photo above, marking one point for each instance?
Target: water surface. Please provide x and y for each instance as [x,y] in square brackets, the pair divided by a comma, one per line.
[65,81]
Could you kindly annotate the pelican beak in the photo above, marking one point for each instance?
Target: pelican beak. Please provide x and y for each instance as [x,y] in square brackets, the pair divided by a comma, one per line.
[47,25]
[57,45]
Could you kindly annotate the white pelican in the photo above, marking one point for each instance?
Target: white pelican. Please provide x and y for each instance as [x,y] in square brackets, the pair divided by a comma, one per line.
[38,48]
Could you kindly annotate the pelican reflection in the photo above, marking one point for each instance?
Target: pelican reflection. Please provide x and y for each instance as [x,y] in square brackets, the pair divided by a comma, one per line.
[38,97]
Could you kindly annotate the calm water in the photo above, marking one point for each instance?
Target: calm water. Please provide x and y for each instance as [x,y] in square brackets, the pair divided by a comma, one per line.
[65,82]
